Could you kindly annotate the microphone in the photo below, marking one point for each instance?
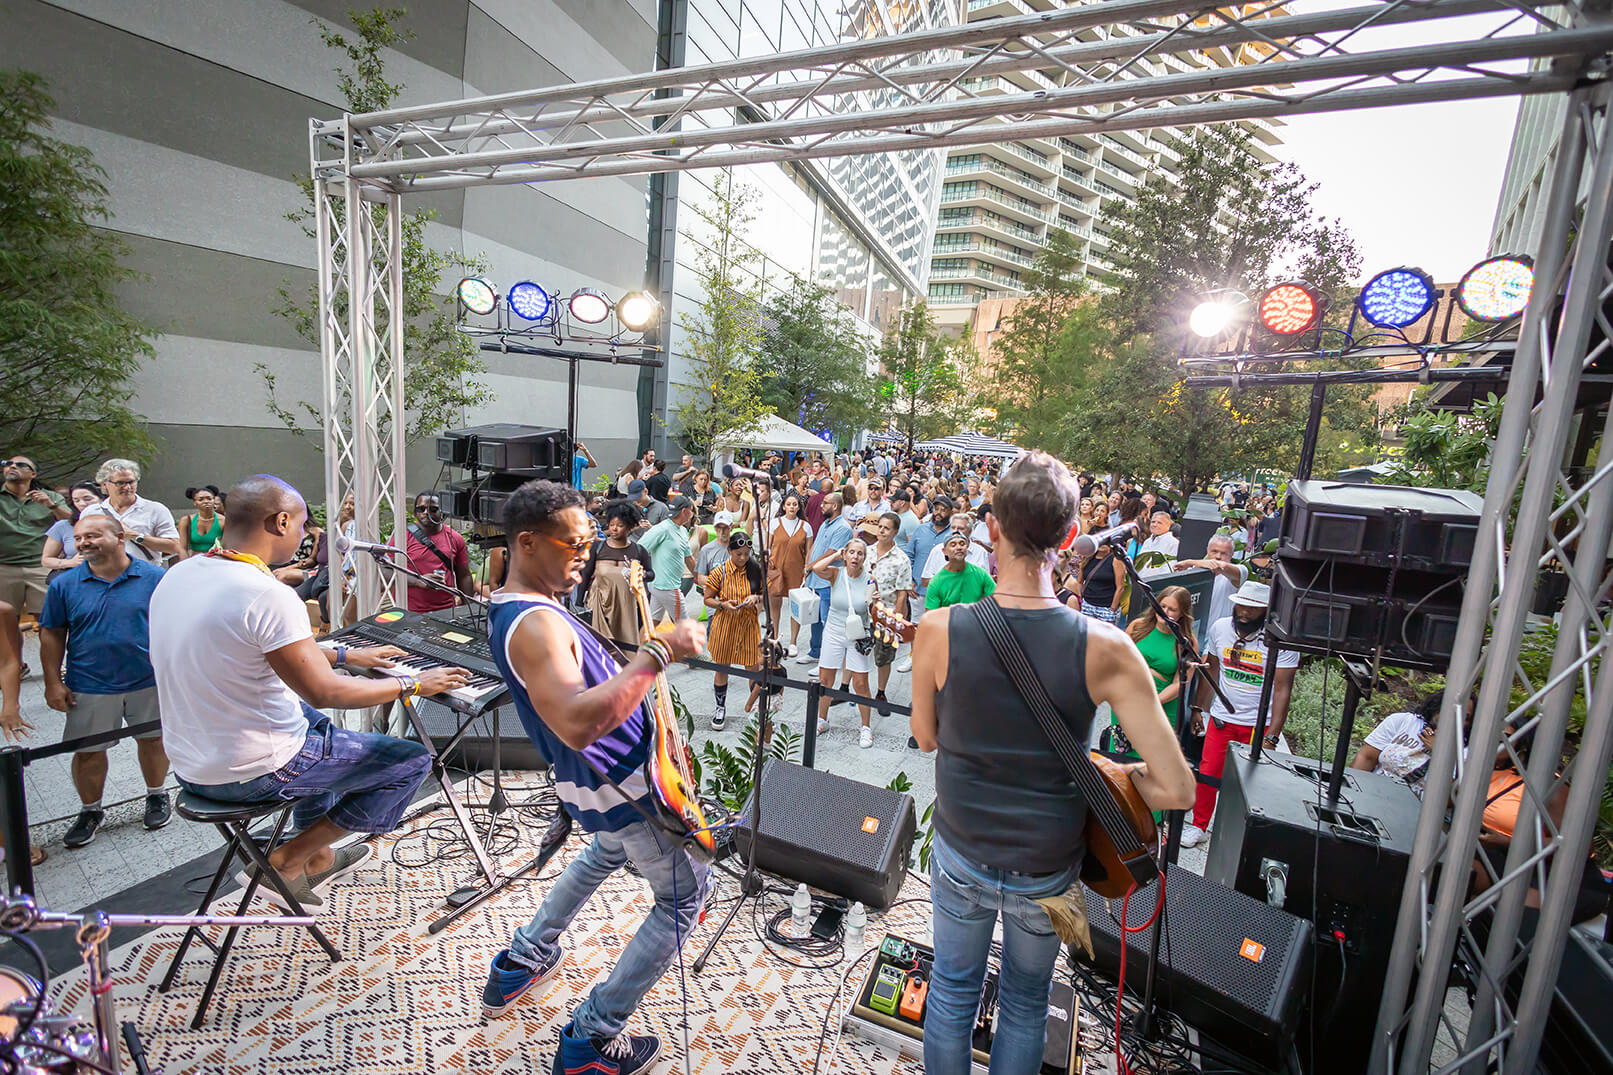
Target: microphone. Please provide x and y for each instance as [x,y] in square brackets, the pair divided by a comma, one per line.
[345,545]
[731,471]
[1087,544]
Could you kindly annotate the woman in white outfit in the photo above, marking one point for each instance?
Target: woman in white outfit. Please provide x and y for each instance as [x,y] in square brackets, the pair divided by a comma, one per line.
[848,595]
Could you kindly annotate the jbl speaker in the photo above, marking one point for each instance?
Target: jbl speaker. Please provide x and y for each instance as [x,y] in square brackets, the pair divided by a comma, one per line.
[840,835]
[1236,968]
[1341,864]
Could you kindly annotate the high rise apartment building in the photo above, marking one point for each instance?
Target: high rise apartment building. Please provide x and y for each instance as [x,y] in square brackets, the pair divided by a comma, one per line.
[1000,201]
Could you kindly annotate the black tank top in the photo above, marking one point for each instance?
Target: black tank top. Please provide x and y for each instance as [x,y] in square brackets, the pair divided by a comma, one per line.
[1003,798]
[1098,581]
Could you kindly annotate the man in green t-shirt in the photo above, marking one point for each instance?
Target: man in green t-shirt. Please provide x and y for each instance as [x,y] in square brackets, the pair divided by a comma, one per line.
[668,545]
[959,582]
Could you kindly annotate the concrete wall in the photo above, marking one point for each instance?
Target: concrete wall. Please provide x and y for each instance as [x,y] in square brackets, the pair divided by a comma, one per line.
[198,110]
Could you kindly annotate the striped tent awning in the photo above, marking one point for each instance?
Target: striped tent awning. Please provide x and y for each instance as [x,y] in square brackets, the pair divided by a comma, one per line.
[887,436]
[972,443]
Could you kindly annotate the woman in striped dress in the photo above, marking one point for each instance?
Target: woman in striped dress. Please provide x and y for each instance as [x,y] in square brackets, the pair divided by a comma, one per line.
[734,593]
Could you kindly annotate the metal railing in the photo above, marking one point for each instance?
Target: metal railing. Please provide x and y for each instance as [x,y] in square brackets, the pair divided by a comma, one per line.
[991,193]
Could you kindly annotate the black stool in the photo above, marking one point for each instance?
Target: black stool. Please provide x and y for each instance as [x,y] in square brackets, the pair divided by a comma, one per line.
[234,820]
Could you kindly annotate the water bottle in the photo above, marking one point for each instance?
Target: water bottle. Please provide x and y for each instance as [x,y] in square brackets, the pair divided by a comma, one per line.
[856,924]
[801,912]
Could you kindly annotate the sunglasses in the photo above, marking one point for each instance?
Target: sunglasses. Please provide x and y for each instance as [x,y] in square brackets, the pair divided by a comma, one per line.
[580,545]
[20,464]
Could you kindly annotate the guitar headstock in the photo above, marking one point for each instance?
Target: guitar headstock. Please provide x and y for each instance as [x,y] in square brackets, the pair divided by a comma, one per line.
[887,626]
[635,577]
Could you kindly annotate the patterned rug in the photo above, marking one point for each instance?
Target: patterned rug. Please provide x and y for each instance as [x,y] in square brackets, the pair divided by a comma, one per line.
[405,1001]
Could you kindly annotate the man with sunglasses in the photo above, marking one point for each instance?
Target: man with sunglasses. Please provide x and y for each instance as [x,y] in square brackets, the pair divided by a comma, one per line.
[27,511]
[438,552]
[149,533]
[876,504]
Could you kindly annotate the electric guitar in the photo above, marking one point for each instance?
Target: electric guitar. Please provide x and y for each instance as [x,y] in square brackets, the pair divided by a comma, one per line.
[670,765]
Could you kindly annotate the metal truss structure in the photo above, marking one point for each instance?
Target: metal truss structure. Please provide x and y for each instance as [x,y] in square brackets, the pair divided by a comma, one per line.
[1127,65]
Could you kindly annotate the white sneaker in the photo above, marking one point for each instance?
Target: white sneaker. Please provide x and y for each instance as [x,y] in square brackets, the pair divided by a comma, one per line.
[905,664]
[1192,835]
[805,658]
[865,736]
[793,650]
[823,725]
[719,717]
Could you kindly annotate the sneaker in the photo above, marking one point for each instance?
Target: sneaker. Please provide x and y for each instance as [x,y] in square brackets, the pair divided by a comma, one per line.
[508,981]
[625,1054]
[865,736]
[793,650]
[84,828]
[823,725]
[158,811]
[879,706]
[1192,835]
[348,859]
[905,664]
[311,901]
[912,744]
[719,717]
[805,658]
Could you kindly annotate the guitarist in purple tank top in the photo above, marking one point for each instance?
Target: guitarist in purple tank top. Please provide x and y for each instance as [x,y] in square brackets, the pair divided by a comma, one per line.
[587,714]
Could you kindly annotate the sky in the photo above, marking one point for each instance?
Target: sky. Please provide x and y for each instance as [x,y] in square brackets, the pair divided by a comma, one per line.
[1415,184]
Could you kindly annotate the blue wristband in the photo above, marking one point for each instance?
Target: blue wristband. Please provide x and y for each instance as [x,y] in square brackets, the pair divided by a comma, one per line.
[341,655]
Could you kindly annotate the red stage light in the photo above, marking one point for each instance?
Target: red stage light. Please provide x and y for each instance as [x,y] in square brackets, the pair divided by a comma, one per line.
[1288,309]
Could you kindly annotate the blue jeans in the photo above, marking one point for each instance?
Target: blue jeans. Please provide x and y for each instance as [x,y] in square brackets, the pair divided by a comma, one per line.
[361,781]
[679,884]
[967,898]
[817,628]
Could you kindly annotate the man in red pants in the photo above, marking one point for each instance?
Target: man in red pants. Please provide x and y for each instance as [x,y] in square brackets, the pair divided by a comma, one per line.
[1236,655]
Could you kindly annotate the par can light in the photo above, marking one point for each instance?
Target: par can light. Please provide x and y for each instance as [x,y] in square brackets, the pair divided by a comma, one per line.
[1209,319]
[477,295]
[1396,298]
[529,301]
[1289,309]
[589,306]
[1497,288]
[637,310]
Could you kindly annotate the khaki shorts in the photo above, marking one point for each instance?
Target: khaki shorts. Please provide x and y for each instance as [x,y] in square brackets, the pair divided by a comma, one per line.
[22,586]
[93,713]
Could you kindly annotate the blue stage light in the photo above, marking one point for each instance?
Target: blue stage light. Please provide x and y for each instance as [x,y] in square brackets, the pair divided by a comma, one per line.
[529,301]
[1396,298]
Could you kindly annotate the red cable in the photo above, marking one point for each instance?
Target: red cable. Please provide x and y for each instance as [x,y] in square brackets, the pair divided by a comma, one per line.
[1120,994]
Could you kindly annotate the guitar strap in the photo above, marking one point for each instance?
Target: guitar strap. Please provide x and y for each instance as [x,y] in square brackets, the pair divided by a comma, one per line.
[1139,861]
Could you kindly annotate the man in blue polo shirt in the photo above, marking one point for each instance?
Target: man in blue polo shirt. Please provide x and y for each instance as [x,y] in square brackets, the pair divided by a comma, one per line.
[98,616]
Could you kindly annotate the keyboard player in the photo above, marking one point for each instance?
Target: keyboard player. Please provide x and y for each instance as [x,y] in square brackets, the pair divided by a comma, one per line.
[241,680]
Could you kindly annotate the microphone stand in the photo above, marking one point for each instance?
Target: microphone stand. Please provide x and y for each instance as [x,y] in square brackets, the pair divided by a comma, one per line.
[750,884]
[1187,656]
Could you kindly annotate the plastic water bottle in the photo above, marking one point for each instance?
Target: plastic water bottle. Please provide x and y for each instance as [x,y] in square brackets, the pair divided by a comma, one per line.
[801,912]
[856,924]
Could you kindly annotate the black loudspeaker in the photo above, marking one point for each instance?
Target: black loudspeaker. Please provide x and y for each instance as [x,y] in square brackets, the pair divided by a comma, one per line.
[524,448]
[475,750]
[1363,524]
[1332,607]
[839,835]
[1199,521]
[1235,968]
[1346,859]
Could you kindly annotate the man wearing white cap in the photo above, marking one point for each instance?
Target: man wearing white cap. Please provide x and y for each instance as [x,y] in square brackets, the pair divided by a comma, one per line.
[1236,652]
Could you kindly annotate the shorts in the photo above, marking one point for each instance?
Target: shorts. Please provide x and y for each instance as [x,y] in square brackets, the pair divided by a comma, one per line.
[839,654]
[884,653]
[665,605]
[22,586]
[94,713]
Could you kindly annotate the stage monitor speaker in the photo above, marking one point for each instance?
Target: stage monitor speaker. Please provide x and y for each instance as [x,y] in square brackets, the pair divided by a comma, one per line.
[1235,968]
[1347,860]
[1334,607]
[516,752]
[1363,524]
[1200,519]
[839,835]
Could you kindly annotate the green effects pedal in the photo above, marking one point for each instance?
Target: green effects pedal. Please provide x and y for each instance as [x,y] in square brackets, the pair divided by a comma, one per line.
[887,992]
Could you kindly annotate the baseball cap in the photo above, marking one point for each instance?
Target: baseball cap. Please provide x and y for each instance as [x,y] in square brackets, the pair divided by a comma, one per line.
[725,518]
[679,503]
[635,486]
[1252,595]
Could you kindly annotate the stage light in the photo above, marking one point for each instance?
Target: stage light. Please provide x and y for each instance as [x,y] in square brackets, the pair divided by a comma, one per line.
[1289,309]
[529,301]
[637,310]
[1210,319]
[477,295]
[1496,289]
[1396,298]
[589,306]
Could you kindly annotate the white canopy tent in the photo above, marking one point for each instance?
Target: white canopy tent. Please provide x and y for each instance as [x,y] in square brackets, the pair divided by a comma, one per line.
[772,432]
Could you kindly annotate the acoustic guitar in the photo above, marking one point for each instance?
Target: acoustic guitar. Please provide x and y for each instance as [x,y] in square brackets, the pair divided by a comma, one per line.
[1105,871]
[885,625]
[670,767]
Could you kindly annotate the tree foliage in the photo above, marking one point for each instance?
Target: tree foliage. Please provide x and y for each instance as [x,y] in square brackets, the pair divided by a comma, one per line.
[724,335]
[69,352]
[923,385]
[441,365]
[1445,450]
[814,363]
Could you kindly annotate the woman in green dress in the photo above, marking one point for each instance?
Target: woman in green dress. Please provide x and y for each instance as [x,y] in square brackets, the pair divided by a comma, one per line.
[1158,646]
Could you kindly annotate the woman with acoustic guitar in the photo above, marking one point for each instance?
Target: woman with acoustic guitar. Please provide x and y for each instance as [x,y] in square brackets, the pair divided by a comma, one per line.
[1010,823]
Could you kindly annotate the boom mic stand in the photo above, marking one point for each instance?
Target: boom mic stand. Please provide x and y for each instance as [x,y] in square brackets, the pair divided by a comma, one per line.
[750,885]
[1187,656]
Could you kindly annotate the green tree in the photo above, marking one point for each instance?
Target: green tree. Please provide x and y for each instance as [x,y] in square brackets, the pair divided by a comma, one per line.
[69,352]
[724,335]
[814,362]
[441,365]
[921,384]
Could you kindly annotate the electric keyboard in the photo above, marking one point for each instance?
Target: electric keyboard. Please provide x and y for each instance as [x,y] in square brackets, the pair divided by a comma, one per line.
[431,643]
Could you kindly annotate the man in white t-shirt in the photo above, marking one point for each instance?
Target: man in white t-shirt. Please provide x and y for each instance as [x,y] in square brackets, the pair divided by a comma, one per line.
[961,523]
[1236,655]
[1401,744]
[1161,542]
[1228,576]
[238,675]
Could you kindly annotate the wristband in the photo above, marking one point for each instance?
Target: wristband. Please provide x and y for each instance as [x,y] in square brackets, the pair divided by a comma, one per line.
[408,687]
[341,655]
[659,652]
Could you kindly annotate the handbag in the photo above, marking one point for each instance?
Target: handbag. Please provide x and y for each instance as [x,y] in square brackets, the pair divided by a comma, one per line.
[1119,825]
[856,630]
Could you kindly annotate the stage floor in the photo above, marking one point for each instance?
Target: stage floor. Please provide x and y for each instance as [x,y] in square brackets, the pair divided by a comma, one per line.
[406,1001]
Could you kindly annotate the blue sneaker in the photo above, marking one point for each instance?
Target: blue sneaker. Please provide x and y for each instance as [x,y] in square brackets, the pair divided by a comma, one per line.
[508,980]
[625,1054]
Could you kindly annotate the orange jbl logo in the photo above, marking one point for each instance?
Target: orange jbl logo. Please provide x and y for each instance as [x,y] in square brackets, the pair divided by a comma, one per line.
[870,825]
[1253,951]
